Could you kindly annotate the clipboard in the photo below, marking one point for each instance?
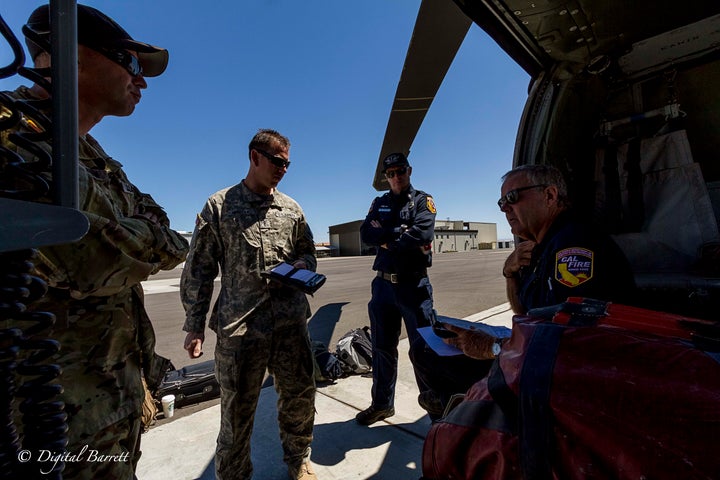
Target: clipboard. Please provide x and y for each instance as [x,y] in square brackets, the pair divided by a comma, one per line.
[443,349]
[301,279]
[496,331]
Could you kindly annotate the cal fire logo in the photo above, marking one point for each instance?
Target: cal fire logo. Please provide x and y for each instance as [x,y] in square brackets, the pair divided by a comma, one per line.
[431,205]
[573,266]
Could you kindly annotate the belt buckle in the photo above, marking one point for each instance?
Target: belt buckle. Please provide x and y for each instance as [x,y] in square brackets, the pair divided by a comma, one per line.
[393,278]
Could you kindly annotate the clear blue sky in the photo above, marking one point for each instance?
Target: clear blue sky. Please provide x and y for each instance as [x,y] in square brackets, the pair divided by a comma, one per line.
[322,72]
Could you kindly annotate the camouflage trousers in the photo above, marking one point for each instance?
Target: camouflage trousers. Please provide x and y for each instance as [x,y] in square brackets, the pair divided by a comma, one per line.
[240,364]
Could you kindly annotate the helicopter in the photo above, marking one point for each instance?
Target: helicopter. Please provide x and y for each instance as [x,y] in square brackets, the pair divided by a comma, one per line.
[623,100]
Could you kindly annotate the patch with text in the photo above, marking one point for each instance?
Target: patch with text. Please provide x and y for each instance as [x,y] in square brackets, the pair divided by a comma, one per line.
[573,266]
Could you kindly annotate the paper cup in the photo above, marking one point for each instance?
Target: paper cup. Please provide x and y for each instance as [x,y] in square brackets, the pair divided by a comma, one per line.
[168,405]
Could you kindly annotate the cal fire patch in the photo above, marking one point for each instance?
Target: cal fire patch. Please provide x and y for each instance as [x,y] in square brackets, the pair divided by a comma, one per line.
[573,266]
[431,204]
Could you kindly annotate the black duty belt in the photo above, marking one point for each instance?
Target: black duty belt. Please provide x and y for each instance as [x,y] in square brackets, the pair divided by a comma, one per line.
[401,277]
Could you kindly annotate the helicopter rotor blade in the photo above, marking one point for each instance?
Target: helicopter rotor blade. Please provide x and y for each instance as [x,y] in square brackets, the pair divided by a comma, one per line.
[439,31]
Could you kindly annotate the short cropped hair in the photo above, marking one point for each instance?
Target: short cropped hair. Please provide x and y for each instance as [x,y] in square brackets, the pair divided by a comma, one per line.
[265,138]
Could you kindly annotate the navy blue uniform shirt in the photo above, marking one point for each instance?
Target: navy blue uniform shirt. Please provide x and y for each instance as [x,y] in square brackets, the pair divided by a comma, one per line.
[575,260]
[408,229]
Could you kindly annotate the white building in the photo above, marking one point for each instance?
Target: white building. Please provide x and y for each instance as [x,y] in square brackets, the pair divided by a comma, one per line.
[450,236]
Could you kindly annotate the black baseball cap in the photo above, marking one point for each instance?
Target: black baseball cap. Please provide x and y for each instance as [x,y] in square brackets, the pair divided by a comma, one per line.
[98,31]
[395,160]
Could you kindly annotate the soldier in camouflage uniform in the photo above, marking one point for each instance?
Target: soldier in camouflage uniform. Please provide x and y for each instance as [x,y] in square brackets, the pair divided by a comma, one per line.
[94,284]
[242,231]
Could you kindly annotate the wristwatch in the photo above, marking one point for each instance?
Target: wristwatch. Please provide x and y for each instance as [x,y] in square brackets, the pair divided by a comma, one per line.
[497,346]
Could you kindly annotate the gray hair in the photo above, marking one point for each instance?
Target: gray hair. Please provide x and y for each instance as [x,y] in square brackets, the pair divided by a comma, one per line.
[543,175]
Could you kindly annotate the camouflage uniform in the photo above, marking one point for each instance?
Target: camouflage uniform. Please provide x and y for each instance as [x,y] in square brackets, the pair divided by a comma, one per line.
[259,325]
[101,323]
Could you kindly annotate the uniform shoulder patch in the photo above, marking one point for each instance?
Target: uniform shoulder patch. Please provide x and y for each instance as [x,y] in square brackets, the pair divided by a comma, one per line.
[574,266]
[431,204]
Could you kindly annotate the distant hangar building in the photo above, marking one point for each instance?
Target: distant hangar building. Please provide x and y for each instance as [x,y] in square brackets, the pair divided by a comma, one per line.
[450,236]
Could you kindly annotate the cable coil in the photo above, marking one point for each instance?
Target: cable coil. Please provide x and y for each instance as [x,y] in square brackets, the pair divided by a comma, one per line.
[24,352]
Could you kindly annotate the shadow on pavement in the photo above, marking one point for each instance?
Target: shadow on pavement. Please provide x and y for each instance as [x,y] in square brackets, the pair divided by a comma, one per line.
[335,442]
[322,325]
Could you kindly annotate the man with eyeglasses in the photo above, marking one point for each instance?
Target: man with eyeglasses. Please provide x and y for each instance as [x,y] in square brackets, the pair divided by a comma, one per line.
[242,231]
[106,338]
[561,255]
[400,225]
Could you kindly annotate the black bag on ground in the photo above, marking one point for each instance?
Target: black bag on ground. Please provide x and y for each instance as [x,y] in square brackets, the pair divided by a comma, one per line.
[191,384]
[354,350]
[327,366]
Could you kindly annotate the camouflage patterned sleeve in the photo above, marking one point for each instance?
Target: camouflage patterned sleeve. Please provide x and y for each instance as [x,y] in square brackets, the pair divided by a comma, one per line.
[168,248]
[119,250]
[305,245]
[109,259]
[171,247]
[201,268]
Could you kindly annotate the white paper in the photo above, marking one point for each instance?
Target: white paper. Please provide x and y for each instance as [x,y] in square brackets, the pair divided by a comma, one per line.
[437,344]
[445,350]
[496,331]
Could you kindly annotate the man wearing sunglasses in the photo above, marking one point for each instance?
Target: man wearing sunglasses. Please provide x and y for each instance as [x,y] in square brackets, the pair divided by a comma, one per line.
[94,289]
[245,230]
[561,255]
[400,224]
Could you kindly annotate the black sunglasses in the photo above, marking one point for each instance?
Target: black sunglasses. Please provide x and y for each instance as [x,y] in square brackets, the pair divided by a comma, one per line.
[513,196]
[279,162]
[126,60]
[397,171]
